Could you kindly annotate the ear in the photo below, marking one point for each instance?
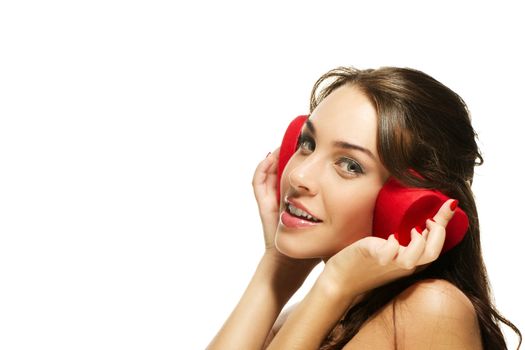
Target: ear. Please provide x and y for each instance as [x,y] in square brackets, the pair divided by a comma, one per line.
[288,148]
[398,209]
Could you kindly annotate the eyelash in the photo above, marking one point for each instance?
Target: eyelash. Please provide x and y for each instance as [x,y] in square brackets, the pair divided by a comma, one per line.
[304,138]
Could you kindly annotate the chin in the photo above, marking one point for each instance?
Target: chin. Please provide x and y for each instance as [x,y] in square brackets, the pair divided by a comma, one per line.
[291,253]
[289,246]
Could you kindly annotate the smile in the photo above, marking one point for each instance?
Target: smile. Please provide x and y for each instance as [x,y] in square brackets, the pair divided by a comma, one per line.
[300,213]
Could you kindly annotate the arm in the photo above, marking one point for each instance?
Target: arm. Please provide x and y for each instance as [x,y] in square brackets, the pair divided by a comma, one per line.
[431,314]
[358,268]
[283,316]
[314,317]
[270,288]
[275,280]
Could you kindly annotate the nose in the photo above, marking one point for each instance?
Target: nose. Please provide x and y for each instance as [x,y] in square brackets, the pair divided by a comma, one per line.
[304,177]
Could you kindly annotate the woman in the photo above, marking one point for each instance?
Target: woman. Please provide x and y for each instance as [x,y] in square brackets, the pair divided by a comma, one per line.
[373,293]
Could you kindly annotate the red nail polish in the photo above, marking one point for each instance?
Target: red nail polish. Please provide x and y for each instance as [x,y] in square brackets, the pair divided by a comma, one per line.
[419,229]
[432,219]
[454,205]
[396,235]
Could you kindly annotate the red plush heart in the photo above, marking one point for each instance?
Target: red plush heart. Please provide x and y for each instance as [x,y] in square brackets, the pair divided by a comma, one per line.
[398,209]
[288,147]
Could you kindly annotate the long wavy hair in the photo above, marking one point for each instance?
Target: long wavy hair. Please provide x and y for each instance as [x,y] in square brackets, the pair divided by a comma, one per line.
[425,126]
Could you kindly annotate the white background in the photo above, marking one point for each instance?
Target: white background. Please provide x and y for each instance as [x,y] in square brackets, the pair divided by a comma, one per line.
[130,130]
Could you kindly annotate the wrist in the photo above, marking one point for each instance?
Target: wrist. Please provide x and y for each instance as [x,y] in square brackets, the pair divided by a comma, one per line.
[340,289]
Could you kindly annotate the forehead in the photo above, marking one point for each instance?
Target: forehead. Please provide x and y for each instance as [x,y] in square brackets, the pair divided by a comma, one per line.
[347,115]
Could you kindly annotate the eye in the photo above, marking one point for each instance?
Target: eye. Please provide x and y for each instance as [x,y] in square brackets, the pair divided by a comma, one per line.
[352,167]
[305,140]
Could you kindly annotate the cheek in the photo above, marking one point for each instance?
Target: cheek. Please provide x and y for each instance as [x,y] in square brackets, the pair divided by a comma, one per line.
[353,215]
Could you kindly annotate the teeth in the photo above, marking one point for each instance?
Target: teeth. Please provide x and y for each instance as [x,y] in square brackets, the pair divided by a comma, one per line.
[299,212]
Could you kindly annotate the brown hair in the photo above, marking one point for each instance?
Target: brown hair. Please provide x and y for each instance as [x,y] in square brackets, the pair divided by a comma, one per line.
[425,126]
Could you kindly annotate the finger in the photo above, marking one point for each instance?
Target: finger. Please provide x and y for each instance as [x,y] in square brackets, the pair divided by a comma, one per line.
[434,243]
[388,251]
[426,232]
[409,256]
[273,167]
[259,174]
[271,170]
[268,165]
[275,153]
[445,213]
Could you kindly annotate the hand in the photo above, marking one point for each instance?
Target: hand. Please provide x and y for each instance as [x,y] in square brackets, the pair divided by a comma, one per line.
[265,189]
[264,185]
[373,261]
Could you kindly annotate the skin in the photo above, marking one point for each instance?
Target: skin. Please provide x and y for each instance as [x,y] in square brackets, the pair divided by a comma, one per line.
[355,262]
[342,194]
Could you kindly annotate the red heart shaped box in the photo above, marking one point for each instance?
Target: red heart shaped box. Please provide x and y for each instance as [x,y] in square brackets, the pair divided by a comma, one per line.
[398,208]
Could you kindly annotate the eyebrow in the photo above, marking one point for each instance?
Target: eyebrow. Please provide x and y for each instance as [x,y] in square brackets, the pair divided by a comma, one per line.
[342,144]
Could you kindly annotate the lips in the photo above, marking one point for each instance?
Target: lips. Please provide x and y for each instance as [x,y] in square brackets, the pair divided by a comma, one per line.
[293,222]
[298,205]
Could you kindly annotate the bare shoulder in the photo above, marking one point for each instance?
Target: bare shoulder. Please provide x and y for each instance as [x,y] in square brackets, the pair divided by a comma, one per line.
[432,313]
[436,296]
[435,313]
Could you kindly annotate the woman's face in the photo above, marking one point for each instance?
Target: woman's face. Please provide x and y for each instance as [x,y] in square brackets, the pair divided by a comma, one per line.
[335,175]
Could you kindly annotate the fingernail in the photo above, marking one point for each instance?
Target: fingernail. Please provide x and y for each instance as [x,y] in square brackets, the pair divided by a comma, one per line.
[432,219]
[419,229]
[396,236]
[453,205]
[268,154]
